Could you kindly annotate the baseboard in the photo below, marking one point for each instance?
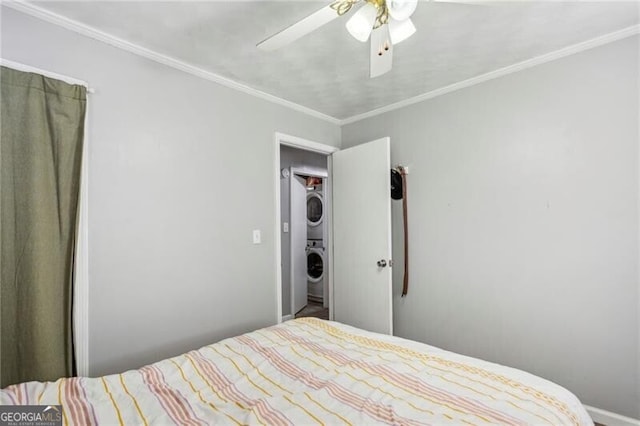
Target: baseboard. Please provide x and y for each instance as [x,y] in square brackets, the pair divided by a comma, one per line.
[610,419]
[287,317]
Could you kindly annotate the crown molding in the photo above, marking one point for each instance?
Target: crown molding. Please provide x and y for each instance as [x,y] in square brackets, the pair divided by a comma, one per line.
[538,60]
[80,28]
[88,31]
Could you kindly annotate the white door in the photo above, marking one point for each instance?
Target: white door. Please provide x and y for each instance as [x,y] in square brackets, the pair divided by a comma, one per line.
[298,235]
[362,237]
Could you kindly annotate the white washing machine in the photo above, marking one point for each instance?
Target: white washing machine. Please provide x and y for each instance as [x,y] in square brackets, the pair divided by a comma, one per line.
[315,270]
[315,214]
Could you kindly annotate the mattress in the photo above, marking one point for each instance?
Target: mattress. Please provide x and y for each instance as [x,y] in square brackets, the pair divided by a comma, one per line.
[310,371]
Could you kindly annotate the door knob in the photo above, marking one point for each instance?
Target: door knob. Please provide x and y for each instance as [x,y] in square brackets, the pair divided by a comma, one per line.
[382,263]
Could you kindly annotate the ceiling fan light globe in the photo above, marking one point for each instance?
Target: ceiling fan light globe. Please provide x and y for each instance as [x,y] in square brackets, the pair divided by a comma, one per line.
[361,23]
[401,9]
[400,30]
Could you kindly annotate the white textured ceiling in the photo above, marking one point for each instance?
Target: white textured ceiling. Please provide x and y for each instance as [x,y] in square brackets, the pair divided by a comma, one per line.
[328,70]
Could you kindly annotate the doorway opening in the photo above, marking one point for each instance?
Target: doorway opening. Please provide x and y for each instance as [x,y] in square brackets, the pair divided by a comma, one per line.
[303,215]
[303,228]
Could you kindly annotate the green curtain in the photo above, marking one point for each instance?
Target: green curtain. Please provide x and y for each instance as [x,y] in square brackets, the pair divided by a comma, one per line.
[42,129]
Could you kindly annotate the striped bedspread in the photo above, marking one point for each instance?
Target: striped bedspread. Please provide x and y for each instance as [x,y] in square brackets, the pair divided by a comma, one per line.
[309,371]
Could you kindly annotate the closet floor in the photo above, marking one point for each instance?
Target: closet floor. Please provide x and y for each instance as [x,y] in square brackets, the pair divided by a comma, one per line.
[314,309]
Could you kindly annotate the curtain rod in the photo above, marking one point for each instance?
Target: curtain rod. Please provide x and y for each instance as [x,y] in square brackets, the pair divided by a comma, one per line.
[28,68]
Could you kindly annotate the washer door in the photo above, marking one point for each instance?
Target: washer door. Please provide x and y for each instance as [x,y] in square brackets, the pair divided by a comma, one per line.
[315,208]
[315,266]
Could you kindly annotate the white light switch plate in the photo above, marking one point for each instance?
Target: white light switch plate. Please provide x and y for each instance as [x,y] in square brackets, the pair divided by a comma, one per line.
[285,227]
[256,236]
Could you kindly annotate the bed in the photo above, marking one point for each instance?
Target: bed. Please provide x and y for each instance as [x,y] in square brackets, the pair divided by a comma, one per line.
[309,371]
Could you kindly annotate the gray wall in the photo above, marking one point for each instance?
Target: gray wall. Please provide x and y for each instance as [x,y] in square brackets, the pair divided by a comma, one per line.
[523,207]
[523,210]
[292,157]
[180,173]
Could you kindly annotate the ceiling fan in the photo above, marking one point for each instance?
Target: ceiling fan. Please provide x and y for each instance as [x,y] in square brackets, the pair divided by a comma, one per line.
[386,21]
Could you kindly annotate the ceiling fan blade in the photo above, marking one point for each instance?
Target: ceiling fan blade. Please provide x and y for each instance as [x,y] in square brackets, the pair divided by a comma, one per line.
[299,29]
[381,57]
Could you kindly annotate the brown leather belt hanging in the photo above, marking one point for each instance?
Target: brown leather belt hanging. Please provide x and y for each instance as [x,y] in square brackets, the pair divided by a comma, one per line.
[405,280]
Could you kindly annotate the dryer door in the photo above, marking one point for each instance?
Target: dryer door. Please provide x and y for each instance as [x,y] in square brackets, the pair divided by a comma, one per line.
[315,208]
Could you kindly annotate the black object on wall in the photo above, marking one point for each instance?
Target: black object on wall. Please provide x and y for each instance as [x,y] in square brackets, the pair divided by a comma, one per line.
[399,192]
[396,185]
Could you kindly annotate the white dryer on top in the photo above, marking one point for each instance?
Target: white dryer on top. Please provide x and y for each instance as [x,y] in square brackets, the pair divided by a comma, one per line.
[315,215]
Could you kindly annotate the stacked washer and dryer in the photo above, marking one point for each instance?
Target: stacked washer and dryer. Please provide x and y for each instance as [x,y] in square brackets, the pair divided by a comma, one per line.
[315,243]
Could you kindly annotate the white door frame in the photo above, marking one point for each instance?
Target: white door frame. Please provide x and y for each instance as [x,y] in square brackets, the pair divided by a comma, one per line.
[281,139]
